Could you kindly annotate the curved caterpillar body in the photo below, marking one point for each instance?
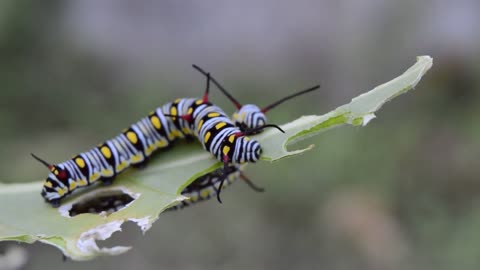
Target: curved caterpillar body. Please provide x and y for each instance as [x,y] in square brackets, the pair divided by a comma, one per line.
[178,119]
[247,118]
[188,117]
[207,186]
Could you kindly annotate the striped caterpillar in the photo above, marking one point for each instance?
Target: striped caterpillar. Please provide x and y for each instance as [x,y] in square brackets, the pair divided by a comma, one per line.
[246,117]
[175,120]
[208,185]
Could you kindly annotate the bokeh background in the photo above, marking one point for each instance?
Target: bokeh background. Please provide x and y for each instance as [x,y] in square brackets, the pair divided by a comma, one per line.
[402,193]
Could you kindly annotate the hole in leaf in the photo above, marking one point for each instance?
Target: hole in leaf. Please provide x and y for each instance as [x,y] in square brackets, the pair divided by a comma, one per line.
[104,202]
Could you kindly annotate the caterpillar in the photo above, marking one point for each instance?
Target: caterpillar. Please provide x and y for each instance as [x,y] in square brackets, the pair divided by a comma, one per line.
[175,120]
[182,118]
[247,117]
[207,186]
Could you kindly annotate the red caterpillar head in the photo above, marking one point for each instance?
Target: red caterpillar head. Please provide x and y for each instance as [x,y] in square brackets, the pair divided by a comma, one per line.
[55,186]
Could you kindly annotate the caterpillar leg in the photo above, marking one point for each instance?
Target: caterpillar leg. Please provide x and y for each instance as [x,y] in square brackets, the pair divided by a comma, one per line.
[55,203]
[225,171]
[251,184]
[107,181]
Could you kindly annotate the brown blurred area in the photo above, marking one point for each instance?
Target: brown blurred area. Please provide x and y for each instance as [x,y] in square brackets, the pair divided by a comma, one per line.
[401,193]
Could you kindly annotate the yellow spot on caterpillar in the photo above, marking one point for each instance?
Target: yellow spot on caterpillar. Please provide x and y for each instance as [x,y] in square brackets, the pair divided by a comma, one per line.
[190,110]
[61,191]
[207,137]
[94,177]
[73,185]
[205,193]
[193,198]
[198,102]
[106,152]
[173,110]
[231,138]
[186,130]
[122,166]
[150,149]
[235,116]
[246,138]
[55,172]
[80,162]
[213,114]
[200,125]
[220,125]
[132,137]
[156,122]
[48,184]
[226,149]
[177,133]
[106,172]
[82,182]
[177,100]
[136,158]
[242,116]
[162,144]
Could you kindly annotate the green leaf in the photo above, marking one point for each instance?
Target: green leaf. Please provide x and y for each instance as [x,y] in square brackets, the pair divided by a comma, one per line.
[26,218]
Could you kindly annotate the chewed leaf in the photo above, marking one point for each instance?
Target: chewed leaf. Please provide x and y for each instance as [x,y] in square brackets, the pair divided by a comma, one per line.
[141,195]
[360,111]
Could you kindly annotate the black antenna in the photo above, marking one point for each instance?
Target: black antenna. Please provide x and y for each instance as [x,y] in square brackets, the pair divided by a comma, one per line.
[276,103]
[219,86]
[207,88]
[260,128]
[49,166]
[250,183]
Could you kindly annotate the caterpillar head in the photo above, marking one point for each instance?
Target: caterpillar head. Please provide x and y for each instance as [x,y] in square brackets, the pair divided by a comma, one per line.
[249,117]
[54,186]
[251,150]
[256,151]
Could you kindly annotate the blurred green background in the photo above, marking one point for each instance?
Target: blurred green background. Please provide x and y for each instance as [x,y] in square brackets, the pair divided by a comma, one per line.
[401,193]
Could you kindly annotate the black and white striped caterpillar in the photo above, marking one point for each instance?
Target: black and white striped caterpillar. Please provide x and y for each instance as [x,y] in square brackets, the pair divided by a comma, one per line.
[247,117]
[179,119]
[208,186]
